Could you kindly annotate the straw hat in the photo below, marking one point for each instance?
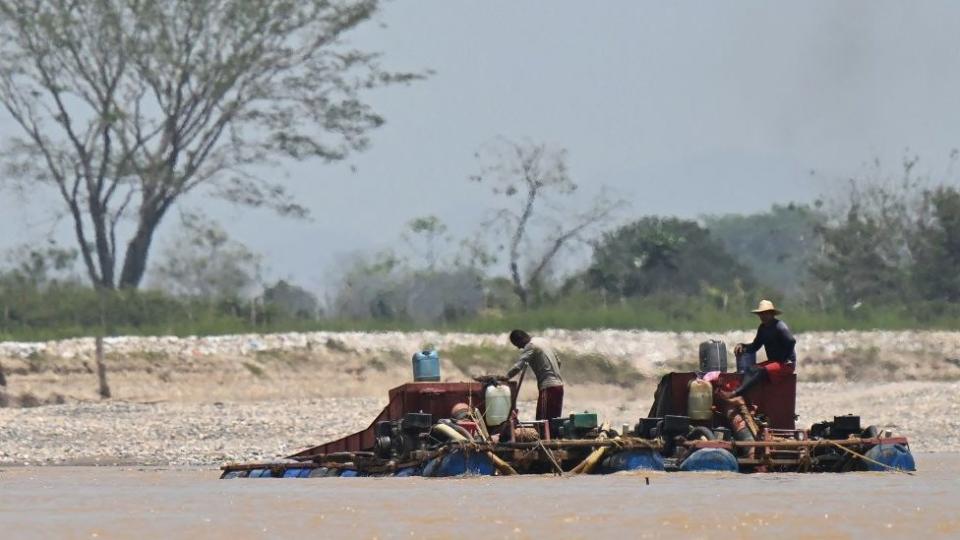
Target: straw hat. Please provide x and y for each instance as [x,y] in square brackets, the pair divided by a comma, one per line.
[764,306]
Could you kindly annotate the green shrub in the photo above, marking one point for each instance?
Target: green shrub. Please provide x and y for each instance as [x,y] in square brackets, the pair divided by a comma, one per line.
[72,310]
[254,369]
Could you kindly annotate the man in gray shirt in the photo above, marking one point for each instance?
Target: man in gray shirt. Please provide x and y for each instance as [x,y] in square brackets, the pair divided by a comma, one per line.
[545,363]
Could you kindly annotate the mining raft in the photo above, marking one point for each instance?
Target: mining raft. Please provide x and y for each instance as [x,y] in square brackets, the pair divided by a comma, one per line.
[442,429]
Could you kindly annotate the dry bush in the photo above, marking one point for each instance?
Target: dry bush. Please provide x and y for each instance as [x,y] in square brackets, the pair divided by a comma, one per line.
[28,399]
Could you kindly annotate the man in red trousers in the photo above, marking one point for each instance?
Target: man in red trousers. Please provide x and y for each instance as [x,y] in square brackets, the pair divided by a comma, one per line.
[543,360]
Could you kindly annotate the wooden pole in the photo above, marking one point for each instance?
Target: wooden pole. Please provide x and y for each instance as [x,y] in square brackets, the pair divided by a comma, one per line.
[560,444]
[106,328]
[513,400]
[501,465]
[102,370]
[6,318]
[590,461]
[803,444]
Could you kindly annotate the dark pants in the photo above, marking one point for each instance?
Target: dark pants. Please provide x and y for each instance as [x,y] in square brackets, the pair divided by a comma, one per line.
[550,403]
[772,371]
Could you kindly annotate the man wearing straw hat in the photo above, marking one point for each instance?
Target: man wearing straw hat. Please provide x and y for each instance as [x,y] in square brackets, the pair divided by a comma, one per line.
[778,342]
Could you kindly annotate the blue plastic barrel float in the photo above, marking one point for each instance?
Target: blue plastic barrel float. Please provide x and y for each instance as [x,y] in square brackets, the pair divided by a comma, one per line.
[426,366]
[458,463]
[407,471]
[642,459]
[710,459]
[894,456]
[319,472]
[299,472]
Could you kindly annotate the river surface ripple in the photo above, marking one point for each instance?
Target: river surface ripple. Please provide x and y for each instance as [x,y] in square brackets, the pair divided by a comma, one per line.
[146,503]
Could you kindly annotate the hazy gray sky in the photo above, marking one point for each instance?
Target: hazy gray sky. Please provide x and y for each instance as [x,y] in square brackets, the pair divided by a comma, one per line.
[682,107]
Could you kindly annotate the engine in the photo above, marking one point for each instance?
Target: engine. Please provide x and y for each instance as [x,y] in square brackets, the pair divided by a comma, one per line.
[397,439]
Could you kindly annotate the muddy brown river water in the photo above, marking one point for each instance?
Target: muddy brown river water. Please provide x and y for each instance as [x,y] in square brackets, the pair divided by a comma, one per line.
[147,503]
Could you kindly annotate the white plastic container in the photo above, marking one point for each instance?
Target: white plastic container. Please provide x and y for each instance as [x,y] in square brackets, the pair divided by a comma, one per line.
[497,400]
[700,400]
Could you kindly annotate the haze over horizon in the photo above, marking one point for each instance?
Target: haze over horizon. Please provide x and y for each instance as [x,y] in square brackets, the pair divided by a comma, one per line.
[682,109]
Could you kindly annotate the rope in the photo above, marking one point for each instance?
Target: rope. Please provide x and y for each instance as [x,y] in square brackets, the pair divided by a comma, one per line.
[865,458]
[805,461]
[481,424]
[549,454]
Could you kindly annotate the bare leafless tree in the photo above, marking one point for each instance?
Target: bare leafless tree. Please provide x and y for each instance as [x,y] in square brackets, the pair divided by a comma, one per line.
[534,178]
[125,106]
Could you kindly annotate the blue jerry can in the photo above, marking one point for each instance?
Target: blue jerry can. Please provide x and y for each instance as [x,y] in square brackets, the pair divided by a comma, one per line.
[426,366]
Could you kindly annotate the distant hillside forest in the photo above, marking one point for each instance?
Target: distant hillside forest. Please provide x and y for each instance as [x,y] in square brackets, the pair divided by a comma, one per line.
[881,255]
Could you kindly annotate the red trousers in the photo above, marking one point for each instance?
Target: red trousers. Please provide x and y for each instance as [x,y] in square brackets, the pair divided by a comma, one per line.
[550,403]
[776,370]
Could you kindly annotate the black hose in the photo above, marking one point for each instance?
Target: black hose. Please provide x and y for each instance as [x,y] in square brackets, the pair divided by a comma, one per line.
[844,464]
[871,432]
[697,432]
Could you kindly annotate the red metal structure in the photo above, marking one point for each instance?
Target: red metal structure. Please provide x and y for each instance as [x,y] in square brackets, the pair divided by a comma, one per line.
[436,398]
[777,401]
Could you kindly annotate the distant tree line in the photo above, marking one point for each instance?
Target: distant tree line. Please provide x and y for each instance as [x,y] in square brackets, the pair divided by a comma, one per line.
[879,246]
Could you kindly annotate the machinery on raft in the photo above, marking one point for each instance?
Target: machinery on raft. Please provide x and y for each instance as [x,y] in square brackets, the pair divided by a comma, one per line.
[441,429]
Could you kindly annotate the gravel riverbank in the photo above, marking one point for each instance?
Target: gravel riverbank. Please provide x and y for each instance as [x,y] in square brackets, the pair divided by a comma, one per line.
[353,364]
